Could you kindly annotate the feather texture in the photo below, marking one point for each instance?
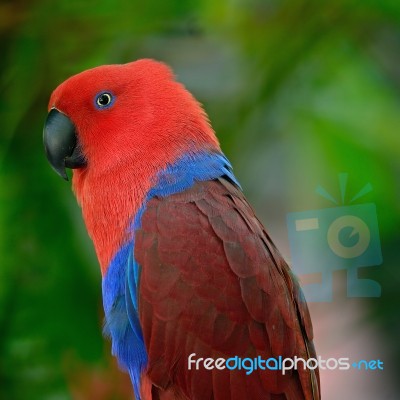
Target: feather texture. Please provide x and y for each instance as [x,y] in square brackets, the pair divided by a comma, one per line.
[213,283]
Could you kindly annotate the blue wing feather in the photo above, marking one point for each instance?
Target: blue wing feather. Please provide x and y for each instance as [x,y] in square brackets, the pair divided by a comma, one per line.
[121,316]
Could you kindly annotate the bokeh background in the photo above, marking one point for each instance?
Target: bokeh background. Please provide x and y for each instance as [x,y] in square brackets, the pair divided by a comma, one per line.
[298,91]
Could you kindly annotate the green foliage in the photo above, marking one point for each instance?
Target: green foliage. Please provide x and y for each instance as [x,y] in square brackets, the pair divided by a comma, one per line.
[298,91]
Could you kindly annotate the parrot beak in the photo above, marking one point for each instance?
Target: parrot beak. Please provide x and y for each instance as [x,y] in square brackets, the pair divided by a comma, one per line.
[61,143]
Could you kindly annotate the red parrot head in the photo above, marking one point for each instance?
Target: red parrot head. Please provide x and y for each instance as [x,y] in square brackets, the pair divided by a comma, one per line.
[117,126]
[115,114]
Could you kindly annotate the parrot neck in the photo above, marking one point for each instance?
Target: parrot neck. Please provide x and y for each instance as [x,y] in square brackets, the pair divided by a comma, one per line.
[108,202]
[111,201]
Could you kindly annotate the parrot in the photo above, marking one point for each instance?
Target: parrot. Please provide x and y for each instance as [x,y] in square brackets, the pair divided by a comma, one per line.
[190,275]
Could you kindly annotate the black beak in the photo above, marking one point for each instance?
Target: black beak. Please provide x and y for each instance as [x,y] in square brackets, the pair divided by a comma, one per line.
[61,143]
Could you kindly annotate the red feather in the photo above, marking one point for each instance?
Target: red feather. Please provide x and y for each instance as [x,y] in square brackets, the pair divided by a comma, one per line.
[213,283]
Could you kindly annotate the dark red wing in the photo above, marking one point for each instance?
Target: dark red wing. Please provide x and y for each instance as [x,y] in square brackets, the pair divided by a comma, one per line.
[213,283]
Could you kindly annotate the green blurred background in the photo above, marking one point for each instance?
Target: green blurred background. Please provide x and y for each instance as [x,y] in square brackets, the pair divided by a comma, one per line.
[298,91]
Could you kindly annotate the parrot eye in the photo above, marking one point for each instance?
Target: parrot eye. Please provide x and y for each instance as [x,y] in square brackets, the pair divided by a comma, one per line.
[104,100]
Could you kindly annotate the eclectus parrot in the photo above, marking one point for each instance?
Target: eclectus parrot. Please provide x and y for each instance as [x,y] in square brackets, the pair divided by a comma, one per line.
[187,268]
